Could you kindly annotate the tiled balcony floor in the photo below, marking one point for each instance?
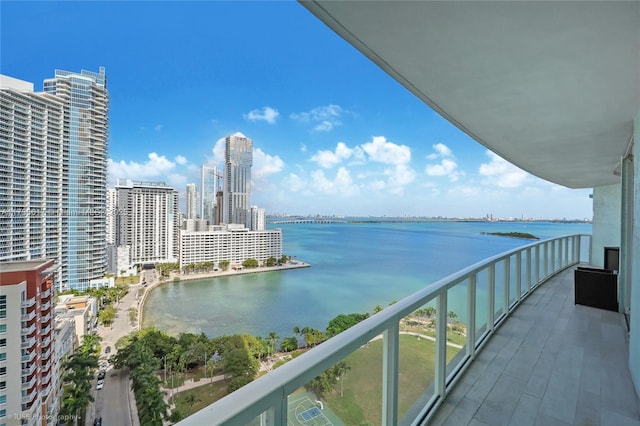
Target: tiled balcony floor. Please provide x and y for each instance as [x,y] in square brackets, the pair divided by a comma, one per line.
[551,363]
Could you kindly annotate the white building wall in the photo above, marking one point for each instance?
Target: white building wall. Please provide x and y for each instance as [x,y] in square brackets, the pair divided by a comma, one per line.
[233,246]
[634,339]
[607,204]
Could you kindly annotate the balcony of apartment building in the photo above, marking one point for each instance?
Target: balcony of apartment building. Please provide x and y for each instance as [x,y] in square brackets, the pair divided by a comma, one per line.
[523,352]
[539,89]
[27,303]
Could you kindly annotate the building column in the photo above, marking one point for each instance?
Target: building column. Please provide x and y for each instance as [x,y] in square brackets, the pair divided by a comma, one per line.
[626,240]
[634,277]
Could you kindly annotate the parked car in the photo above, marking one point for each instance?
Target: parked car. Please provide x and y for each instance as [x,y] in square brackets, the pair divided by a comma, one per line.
[97,422]
[107,349]
[100,384]
[101,374]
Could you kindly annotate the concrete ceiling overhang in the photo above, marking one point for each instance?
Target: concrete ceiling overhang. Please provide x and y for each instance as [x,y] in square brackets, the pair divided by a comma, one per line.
[552,87]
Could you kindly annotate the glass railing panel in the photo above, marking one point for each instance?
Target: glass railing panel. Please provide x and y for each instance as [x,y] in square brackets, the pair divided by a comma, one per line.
[498,300]
[513,278]
[349,392]
[416,361]
[457,298]
[263,419]
[524,276]
[482,304]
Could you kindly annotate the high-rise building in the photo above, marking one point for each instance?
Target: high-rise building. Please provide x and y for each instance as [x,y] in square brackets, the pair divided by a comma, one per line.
[192,201]
[53,156]
[208,188]
[256,219]
[29,370]
[111,212]
[148,220]
[237,183]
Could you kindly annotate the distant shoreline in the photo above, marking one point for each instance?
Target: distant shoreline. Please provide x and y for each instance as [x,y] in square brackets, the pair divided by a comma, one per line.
[296,264]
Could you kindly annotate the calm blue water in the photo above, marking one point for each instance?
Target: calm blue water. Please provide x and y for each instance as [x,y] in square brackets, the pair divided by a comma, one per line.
[354,268]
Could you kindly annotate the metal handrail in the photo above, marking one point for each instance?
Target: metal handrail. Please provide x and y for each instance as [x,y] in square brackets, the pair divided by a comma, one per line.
[269,393]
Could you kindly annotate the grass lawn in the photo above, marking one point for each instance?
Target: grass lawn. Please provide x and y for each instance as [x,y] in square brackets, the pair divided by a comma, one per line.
[362,391]
[135,279]
[203,396]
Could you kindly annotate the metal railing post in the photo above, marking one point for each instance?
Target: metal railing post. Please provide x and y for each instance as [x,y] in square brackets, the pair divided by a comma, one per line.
[390,374]
[507,286]
[491,295]
[471,317]
[519,276]
[441,345]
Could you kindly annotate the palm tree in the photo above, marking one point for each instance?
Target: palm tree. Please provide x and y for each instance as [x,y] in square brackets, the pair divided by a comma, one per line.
[296,331]
[341,369]
[452,316]
[191,399]
[273,339]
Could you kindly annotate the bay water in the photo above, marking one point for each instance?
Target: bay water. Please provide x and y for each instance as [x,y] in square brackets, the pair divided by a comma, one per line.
[355,266]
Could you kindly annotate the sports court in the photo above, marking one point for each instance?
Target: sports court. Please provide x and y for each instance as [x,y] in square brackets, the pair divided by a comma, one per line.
[304,411]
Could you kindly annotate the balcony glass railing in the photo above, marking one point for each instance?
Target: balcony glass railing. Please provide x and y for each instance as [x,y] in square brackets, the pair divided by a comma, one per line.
[410,354]
[28,303]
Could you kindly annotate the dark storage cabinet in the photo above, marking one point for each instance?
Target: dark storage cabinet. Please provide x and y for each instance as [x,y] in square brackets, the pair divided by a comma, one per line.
[596,287]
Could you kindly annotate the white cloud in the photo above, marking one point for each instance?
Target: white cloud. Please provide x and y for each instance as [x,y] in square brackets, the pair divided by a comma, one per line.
[265,164]
[387,152]
[295,183]
[156,165]
[326,117]
[328,159]
[342,185]
[501,173]
[446,167]
[267,114]
[441,151]
[401,175]
[218,151]
[181,160]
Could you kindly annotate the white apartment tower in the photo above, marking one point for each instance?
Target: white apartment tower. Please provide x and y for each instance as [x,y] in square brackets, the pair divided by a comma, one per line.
[111,213]
[208,188]
[53,171]
[148,220]
[192,201]
[256,219]
[237,184]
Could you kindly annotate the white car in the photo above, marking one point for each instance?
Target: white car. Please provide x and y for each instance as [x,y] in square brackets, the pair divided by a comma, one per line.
[100,384]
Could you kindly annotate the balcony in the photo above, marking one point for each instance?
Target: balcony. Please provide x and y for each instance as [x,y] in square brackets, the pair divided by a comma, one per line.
[514,285]
[45,306]
[30,370]
[46,354]
[45,294]
[28,398]
[27,343]
[28,330]
[28,358]
[28,316]
[30,383]
[553,362]
[28,303]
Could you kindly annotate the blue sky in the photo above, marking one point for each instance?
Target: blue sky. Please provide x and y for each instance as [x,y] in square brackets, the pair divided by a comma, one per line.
[332,133]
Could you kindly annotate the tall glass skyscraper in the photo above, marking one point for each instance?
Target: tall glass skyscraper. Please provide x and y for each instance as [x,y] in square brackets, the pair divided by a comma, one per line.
[237,184]
[53,172]
[85,179]
[208,188]
[192,201]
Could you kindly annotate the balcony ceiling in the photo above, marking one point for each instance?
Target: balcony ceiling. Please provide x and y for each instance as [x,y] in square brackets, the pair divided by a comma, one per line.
[552,87]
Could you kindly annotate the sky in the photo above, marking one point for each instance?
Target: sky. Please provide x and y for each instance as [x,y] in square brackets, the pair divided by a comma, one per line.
[333,134]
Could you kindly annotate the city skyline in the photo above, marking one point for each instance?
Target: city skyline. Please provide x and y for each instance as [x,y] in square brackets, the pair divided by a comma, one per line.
[332,133]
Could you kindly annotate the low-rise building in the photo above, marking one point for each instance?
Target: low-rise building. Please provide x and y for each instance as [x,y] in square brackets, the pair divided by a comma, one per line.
[82,310]
[234,244]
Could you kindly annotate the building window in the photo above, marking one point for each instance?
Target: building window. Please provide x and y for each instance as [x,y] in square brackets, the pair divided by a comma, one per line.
[3,328]
[3,399]
[3,356]
[3,385]
[3,371]
[3,343]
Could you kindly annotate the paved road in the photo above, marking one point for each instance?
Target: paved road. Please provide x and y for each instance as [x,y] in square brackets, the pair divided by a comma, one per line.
[113,403]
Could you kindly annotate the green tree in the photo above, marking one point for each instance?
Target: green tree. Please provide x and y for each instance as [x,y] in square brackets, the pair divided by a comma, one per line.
[344,321]
[238,363]
[273,342]
[289,344]
[191,399]
[78,370]
[271,261]
[107,315]
[250,263]
[452,316]
[224,264]
[377,309]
